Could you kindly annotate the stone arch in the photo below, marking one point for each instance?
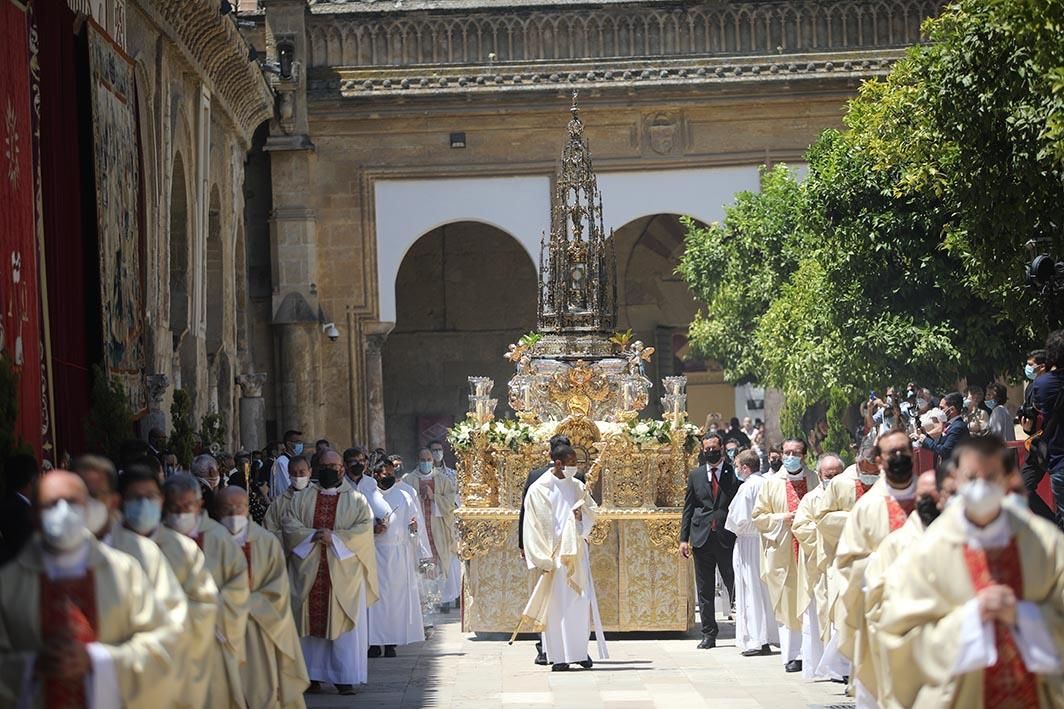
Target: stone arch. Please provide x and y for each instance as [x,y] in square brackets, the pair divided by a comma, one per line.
[465,290]
[214,274]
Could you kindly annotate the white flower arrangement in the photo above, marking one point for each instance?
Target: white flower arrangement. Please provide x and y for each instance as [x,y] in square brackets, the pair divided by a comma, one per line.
[506,433]
[653,433]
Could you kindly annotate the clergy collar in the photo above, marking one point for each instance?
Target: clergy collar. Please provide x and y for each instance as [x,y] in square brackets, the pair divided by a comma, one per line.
[330,491]
[795,476]
[993,536]
[66,564]
[906,493]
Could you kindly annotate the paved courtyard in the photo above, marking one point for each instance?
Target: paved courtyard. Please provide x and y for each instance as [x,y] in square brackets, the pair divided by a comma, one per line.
[456,669]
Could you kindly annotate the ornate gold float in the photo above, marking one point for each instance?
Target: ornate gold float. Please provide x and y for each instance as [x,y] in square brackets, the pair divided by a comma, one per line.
[578,378]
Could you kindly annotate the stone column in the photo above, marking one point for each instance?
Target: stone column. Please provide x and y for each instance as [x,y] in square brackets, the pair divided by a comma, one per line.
[252,411]
[375,333]
[298,377]
[156,386]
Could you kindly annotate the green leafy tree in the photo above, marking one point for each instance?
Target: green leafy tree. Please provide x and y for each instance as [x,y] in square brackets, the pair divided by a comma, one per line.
[182,437]
[110,420]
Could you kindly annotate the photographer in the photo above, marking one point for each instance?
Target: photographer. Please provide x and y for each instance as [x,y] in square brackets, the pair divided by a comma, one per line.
[1048,396]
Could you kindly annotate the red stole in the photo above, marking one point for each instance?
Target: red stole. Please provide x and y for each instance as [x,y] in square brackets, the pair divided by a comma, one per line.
[796,490]
[247,555]
[861,489]
[426,491]
[898,511]
[68,607]
[1006,684]
[321,590]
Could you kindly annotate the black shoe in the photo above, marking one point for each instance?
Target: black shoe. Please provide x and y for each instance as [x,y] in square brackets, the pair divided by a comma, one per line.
[763,650]
[560,667]
[374,651]
[793,666]
[707,643]
[346,689]
[314,688]
[541,658]
[389,650]
[586,664]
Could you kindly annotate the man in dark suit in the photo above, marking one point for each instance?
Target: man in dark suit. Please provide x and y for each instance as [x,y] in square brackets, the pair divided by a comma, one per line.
[956,429]
[710,489]
[16,511]
[541,657]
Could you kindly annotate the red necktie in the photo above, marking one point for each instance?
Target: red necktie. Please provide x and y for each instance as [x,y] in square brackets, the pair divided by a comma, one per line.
[713,479]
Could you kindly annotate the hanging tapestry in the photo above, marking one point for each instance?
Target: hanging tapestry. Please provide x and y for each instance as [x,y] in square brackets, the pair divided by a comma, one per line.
[20,332]
[116,163]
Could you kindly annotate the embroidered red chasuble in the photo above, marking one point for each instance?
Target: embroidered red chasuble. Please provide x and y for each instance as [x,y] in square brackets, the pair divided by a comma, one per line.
[861,489]
[898,511]
[321,591]
[1007,684]
[796,490]
[68,607]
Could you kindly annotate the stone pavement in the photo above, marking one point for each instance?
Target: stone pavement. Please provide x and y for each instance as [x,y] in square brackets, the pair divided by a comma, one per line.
[456,669]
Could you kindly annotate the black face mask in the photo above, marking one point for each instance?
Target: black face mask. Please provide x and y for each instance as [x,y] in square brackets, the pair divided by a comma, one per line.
[712,456]
[775,465]
[900,468]
[385,482]
[357,469]
[328,478]
[927,508]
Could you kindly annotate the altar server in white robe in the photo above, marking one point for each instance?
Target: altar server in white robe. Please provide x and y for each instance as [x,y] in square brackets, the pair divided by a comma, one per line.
[422,551]
[79,625]
[977,604]
[559,516]
[360,479]
[395,619]
[755,625]
[452,583]
[329,535]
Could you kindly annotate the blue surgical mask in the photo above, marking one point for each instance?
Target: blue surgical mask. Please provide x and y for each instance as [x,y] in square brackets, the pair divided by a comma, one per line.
[1029,372]
[792,463]
[142,515]
[424,467]
[990,403]
[297,449]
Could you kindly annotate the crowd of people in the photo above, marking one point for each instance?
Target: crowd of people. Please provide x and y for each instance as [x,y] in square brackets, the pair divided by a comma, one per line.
[941,587]
[234,584]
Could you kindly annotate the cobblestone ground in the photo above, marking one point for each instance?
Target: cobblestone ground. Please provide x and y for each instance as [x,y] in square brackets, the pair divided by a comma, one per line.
[456,669]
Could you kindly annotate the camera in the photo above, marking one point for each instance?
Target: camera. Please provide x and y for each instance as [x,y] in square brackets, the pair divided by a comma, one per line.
[1026,411]
[330,331]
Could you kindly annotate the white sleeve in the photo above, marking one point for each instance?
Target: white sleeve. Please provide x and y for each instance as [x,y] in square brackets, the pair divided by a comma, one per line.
[305,547]
[1033,640]
[340,549]
[976,648]
[740,512]
[101,685]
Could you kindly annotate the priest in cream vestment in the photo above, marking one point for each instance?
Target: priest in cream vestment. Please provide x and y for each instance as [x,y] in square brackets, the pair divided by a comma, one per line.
[880,511]
[828,467]
[142,503]
[931,497]
[333,566]
[773,515]
[438,496]
[79,625]
[298,480]
[229,569]
[273,674]
[559,516]
[978,603]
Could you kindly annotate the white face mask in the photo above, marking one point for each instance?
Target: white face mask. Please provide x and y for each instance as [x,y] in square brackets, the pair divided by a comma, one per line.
[182,523]
[982,500]
[437,456]
[62,525]
[235,523]
[96,515]
[867,479]
[569,471]
[301,483]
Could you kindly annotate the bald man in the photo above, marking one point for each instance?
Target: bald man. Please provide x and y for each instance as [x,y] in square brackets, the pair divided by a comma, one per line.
[79,625]
[273,674]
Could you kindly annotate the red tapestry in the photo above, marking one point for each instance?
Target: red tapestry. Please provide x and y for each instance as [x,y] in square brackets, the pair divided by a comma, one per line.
[1007,684]
[20,331]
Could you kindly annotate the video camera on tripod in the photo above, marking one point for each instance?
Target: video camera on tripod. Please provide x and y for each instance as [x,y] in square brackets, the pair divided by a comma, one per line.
[1045,273]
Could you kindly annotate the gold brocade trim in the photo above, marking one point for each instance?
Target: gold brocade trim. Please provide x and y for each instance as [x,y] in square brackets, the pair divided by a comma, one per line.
[664,533]
[476,537]
[600,531]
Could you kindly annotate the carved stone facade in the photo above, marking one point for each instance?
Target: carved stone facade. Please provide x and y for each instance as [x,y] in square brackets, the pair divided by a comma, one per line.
[200,101]
[403,121]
